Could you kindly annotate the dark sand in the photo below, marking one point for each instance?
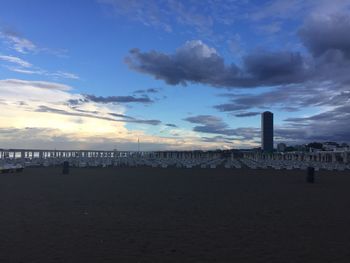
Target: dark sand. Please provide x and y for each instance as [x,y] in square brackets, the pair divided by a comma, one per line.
[174,215]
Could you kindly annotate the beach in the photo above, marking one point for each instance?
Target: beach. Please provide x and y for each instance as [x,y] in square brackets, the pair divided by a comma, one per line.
[174,215]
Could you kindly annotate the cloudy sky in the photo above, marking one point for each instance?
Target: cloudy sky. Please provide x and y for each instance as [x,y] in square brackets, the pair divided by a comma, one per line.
[99,74]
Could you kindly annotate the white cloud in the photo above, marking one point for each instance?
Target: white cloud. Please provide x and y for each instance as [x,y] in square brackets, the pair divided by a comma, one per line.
[18,43]
[197,46]
[22,84]
[22,45]
[62,74]
[15,60]
[41,72]
[36,114]
[25,70]
[22,66]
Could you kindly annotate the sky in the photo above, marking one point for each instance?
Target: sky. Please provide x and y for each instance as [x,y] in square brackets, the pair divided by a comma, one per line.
[175,75]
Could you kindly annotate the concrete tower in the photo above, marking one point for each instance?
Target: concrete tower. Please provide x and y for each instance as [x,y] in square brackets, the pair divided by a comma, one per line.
[267,131]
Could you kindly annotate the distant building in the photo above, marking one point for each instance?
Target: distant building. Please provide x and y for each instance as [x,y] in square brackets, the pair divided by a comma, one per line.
[267,131]
[330,146]
[300,148]
[281,147]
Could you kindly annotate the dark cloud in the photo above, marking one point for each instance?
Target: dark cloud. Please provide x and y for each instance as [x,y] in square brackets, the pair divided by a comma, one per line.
[295,96]
[290,109]
[216,139]
[76,102]
[203,119]
[149,122]
[331,125]
[246,114]
[118,99]
[127,118]
[109,99]
[323,34]
[232,107]
[195,62]
[121,115]
[124,118]
[145,91]
[75,108]
[325,37]
[341,113]
[209,124]
[328,41]
[274,68]
[215,125]
[171,125]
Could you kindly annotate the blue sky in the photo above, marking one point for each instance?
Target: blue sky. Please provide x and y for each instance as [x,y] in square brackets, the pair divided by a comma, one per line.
[176,74]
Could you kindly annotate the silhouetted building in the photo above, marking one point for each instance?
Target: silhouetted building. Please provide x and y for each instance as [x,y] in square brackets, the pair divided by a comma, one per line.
[267,131]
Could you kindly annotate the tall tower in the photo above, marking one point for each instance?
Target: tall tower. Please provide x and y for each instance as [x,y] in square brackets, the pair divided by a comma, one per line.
[267,131]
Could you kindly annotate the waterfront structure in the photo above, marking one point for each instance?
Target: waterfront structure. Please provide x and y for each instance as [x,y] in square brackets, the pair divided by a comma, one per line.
[14,159]
[39,154]
[281,147]
[267,131]
[305,157]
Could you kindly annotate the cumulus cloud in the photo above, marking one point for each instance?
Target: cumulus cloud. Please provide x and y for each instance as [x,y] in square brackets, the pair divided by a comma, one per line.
[195,62]
[318,78]
[328,60]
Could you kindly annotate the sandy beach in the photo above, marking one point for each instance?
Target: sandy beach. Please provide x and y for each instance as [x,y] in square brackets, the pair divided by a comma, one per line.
[174,215]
